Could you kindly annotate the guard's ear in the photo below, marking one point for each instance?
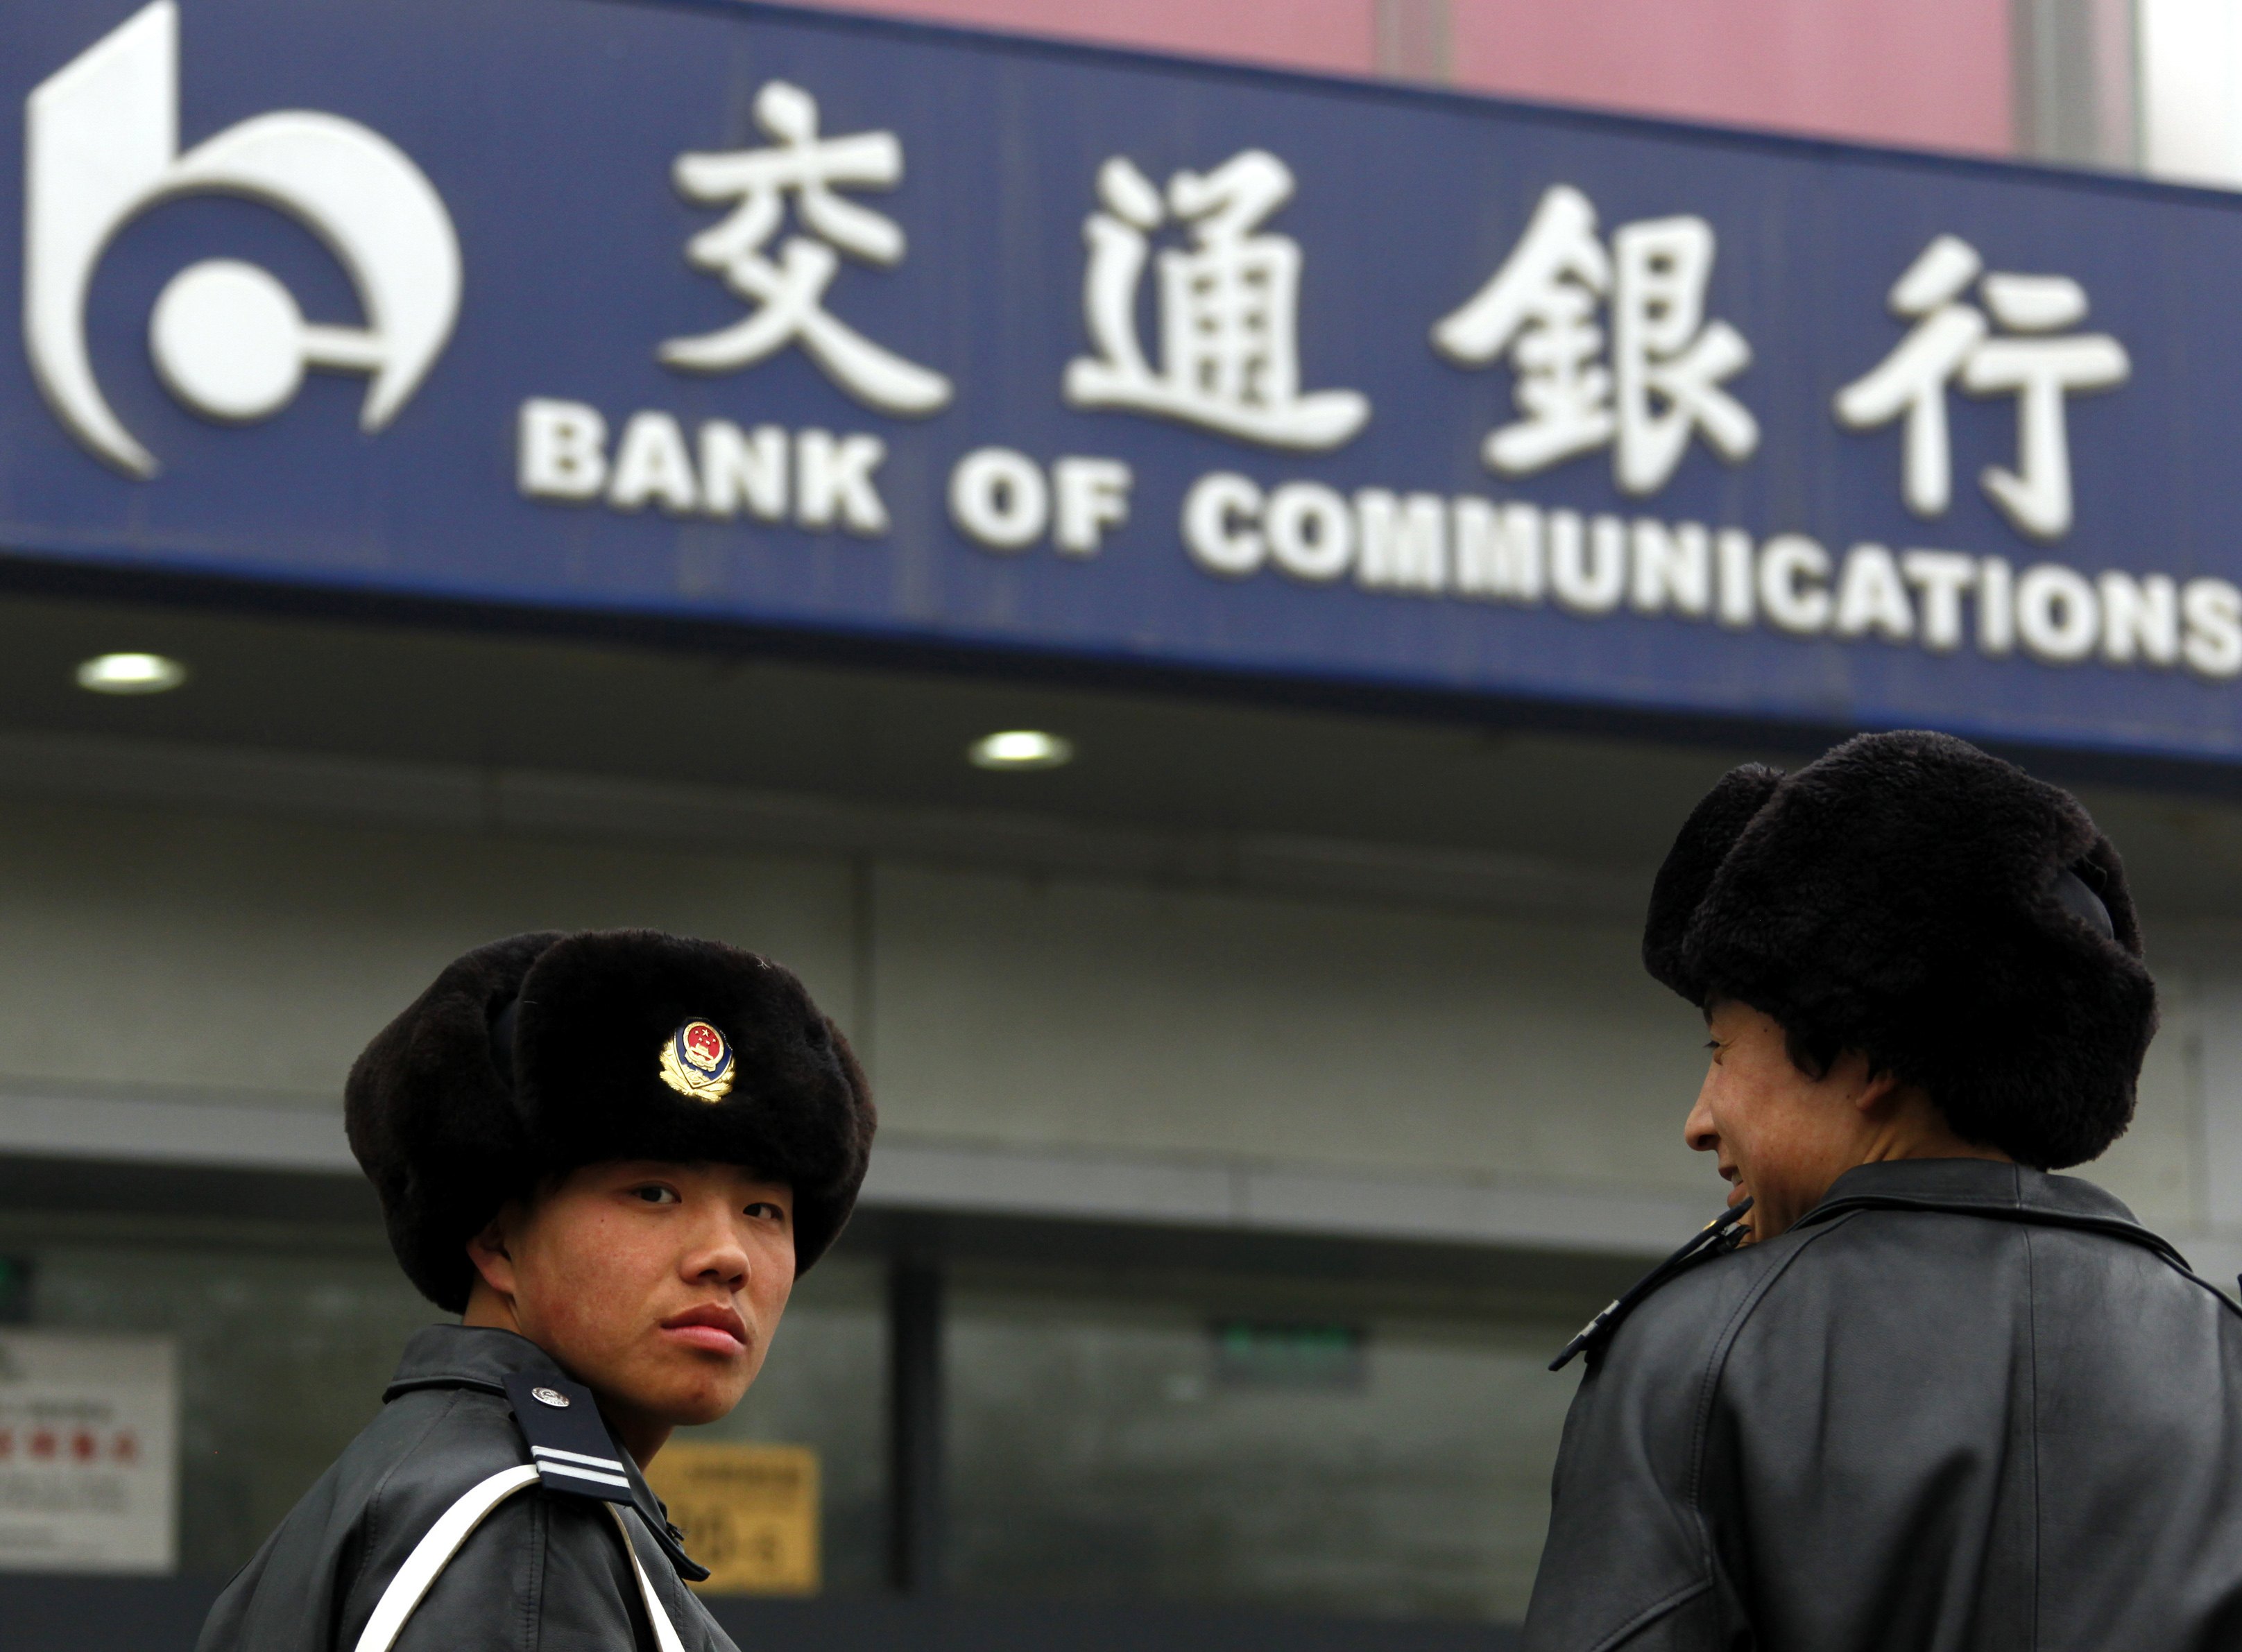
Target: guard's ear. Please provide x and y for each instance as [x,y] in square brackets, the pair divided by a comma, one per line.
[1878,1084]
[488,1250]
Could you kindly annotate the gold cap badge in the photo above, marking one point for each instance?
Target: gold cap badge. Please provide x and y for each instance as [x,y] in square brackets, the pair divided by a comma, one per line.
[697,1061]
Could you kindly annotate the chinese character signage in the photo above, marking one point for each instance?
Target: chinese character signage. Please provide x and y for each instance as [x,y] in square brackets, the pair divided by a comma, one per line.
[749,1510]
[847,328]
[89,1452]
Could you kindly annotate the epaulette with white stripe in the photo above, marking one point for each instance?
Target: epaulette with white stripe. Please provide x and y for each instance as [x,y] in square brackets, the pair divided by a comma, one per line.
[567,1441]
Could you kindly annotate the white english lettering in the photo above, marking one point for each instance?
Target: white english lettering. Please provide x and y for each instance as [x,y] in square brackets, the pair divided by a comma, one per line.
[998,497]
[833,482]
[1870,596]
[1793,590]
[2212,646]
[1401,541]
[1310,530]
[2058,617]
[1220,514]
[1090,495]
[743,471]
[1996,608]
[1496,550]
[651,463]
[1941,578]
[1733,546]
[1672,568]
[1588,570]
[2140,619]
[562,450]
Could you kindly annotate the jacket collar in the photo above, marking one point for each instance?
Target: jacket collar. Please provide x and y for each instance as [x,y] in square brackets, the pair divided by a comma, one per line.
[482,1357]
[1968,1187]
[467,1356]
[1985,1188]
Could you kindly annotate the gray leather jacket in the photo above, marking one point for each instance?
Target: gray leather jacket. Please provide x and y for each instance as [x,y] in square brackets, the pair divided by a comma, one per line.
[1962,1405]
[544,1573]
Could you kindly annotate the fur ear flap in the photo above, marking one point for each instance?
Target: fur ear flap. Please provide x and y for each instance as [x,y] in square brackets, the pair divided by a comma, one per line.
[1711,831]
[430,1116]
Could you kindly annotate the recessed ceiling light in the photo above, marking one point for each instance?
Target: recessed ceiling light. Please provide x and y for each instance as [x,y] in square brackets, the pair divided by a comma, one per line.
[131,673]
[1020,748]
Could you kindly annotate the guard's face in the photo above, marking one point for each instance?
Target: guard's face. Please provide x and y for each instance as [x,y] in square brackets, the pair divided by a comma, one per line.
[1781,1135]
[658,1286]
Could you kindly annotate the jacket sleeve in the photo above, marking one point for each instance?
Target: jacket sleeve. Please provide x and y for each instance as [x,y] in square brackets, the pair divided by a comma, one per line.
[1630,1563]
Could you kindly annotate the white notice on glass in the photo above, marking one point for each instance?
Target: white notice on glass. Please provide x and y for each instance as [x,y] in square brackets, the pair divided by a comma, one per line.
[89,1452]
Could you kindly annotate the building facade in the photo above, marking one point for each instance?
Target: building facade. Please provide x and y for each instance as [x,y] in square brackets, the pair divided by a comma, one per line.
[1268,1090]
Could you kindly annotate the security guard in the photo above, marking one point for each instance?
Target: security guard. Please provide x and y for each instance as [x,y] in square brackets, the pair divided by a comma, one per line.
[611,1152]
[1941,1398]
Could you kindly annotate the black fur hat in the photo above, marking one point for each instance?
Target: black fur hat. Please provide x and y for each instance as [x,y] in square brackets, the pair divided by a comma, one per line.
[532,1057]
[1909,896]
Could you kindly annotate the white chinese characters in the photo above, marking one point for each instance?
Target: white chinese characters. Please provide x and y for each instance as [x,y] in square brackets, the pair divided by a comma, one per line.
[789,289]
[2034,359]
[1229,309]
[1668,364]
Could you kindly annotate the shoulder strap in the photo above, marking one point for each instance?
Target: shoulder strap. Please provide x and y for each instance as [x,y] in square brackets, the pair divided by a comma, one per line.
[665,1632]
[433,1552]
[1716,1238]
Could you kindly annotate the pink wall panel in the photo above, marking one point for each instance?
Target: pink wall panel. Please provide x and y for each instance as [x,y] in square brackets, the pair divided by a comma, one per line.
[1930,73]
[1325,35]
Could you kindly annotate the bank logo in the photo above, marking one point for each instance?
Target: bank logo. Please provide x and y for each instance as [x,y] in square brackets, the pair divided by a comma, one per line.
[102,145]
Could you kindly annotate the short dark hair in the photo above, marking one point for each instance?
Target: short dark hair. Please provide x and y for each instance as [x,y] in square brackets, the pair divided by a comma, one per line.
[1813,1048]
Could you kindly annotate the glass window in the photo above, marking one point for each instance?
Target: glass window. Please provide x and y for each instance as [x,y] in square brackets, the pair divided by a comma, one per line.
[824,1386]
[1341,1449]
[287,1337]
[1191,1436]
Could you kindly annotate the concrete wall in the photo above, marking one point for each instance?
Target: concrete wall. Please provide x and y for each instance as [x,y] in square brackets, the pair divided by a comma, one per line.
[187,975]
[176,953]
[1136,1020]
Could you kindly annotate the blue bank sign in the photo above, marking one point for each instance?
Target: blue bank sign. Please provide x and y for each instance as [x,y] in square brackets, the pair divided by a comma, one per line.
[801,322]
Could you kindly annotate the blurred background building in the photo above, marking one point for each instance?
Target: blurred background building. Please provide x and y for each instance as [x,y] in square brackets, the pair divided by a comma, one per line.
[1267,1091]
